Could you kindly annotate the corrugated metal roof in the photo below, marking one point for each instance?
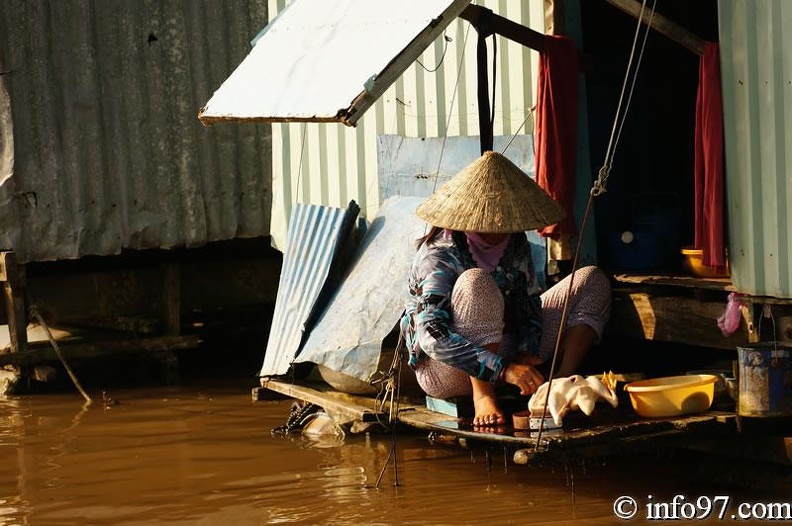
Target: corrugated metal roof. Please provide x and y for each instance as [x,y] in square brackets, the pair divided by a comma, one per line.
[756,72]
[328,60]
[349,334]
[108,152]
[316,235]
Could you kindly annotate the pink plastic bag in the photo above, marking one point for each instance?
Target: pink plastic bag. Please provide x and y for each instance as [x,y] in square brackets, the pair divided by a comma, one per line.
[729,321]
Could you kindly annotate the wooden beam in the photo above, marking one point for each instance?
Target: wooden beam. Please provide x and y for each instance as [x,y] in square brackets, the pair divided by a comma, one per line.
[671,318]
[662,25]
[504,27]
[45,352]
[12,275]
[555,17]
[348,406]
[515,32]
[606,432]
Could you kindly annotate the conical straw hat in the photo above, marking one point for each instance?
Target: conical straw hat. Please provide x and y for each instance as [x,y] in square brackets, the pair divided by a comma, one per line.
[491,195]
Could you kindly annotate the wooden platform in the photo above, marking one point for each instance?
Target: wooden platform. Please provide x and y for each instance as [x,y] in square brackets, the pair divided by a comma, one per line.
[607,431]
[83,343]
[678,309]
[345,406]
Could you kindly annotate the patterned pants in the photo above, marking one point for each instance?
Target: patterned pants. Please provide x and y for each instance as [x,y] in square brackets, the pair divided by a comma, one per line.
[477,310]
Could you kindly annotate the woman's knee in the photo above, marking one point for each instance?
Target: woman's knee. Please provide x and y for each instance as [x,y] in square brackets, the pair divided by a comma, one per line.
[596,279]
[477,307]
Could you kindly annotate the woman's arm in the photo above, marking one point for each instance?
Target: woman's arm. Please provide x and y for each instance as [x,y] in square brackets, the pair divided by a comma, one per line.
[437,270]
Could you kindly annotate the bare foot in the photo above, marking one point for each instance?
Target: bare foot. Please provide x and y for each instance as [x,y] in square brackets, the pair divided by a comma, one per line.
[487,411]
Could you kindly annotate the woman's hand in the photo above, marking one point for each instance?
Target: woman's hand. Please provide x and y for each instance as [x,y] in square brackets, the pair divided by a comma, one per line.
[528,358]
[526,377]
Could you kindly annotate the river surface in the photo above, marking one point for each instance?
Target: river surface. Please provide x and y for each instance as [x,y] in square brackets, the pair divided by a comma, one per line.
[202,453]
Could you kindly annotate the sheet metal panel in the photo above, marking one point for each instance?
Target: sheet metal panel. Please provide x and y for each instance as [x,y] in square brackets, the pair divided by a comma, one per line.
[409,166]
[6,129]
[436,96]
[367,306]
[756,72]
[316,235]
[108,151]
[328,60]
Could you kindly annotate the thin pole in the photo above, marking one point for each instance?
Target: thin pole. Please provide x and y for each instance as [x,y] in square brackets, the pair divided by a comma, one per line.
[34,312]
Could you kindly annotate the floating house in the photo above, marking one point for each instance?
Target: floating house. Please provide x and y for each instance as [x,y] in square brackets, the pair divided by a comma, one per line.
[347,112]
[122,219]
[378,117]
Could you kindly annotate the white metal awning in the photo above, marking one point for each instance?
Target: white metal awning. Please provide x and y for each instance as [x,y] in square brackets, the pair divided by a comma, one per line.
[328,60]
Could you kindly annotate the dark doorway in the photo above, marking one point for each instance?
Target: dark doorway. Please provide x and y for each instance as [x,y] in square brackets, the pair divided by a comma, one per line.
[650,189]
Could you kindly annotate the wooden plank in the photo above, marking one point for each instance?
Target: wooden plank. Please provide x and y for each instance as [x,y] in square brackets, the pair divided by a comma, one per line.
[517,32]
[422,418]
[773,449]
[350,406]
[684,282]
[670,318]
[13,292]
[607,431]
[476,15]
[662,25]
[260,394]
[45,352]
[606,425]
[589,436]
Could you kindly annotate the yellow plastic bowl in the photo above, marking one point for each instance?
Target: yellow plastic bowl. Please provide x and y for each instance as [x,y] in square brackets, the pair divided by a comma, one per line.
[672,395]
[694,258]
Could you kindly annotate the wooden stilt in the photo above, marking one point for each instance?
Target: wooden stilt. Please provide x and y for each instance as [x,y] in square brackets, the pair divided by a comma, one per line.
[171,298]
[12,276]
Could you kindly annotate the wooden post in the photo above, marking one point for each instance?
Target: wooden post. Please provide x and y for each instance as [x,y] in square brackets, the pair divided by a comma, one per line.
[13,277]
[171,298]
[555,21]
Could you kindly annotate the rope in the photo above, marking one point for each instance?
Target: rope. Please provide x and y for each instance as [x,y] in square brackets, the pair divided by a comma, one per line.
[392,386]
[598,188]
[618,121]
[450,108]
[391,382]
[448,119]
[34,312]
[564,315]
[519,129]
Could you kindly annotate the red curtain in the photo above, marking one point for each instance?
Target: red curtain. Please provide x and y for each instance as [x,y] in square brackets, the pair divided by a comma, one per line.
[556,127]
[709,163]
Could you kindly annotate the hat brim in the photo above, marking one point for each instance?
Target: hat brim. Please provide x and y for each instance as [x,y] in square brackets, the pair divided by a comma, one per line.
[491,195]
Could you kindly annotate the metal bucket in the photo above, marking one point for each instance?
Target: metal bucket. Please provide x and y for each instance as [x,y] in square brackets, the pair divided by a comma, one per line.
[765,379]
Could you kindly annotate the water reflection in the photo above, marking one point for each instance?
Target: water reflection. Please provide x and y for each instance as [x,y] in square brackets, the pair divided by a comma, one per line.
[204,454]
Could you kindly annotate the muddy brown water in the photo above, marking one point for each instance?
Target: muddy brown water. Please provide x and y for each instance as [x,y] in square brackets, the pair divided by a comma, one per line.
[203,453]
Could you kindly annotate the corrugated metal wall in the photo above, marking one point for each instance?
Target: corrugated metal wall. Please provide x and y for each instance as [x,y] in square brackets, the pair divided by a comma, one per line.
[756,70]
[317,234]
[331,164]
[109,153]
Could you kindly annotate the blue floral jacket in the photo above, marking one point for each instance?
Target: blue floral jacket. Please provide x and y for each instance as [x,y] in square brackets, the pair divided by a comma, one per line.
[426,321]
